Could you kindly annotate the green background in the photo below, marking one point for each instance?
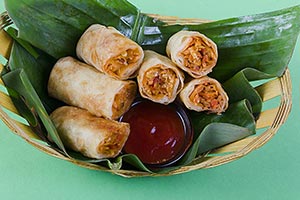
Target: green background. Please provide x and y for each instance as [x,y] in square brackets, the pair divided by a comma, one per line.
[271,172]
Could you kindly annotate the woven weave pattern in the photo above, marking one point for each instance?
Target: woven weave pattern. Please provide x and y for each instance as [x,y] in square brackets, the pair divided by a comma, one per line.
[267,125]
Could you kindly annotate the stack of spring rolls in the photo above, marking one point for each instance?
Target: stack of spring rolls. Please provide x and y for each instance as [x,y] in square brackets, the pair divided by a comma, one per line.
[99,86]
[97,91]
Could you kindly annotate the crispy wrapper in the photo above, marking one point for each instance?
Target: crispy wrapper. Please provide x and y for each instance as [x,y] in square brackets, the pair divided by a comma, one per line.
[110,52]
[81,85]
[92,136]
[204,94]
[193,52]
[159,79]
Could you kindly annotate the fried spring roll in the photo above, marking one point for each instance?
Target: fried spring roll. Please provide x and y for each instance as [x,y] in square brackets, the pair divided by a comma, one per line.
[110,52]
[193,52]
[92,136]
[81,85]
[159,79]
[204,94]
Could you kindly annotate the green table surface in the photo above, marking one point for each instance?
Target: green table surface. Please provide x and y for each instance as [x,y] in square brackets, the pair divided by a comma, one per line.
[271,172]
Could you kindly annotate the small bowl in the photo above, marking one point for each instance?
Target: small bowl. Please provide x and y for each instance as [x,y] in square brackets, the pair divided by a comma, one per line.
[160,134]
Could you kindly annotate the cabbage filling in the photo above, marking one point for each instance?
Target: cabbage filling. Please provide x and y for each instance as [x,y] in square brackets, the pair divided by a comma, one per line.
[123,100]
[117,65]
[159,82]
[207,97]
[198,55]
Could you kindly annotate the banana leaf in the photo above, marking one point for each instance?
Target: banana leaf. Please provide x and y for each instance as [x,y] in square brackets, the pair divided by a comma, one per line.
[264,42]
[17,82]
[239,88]
[239,113]
[55,26]
[220,134]
[213,131]
[37,66]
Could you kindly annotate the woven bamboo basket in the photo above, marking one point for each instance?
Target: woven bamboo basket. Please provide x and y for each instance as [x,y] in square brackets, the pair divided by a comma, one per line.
[278,90]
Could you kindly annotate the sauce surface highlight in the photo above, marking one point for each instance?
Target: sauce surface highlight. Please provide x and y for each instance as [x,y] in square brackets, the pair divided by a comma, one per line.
[157,132]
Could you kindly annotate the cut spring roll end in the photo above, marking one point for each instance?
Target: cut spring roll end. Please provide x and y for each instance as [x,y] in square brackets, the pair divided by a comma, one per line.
[159,79]
[123,99]
[205,94]
[193,52]
[110,52]
[118,66]
[159,82]
[92,136]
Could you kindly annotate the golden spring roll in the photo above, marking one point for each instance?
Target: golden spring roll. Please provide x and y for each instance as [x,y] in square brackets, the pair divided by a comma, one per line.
[193,52]
[204,94]
[92,136]
[110,52]
[81,85]
[159,79]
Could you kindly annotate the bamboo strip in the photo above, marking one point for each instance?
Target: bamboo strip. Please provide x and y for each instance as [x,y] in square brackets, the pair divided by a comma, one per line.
[266,118]
[233,147]
[6,44]
[269,90]
[1,68]
[9,122]
[284,108]
[27,130]
[7,103]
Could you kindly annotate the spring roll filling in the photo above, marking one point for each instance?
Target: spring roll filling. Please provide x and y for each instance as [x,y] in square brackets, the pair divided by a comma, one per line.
[112,144]
[198,55]
[207,96]
[118,64]
[159,82]
[122,99]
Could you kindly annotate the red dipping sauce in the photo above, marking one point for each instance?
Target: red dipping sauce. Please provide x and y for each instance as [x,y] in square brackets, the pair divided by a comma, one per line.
[159,134]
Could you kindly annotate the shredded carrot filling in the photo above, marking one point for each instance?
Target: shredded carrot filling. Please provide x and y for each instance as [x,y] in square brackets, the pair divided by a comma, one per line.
[118,64]
[198,55]
[159,82]
[123,100]
[206,96]
[111,145]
